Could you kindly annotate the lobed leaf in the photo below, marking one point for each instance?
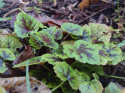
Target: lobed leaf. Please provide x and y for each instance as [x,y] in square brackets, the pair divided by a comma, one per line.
[72,29]
[100,31]
[9,42]
[112,88]
[114,52]
[65,72]
[93,86]
[26,24]
[83,51]
[55,33]
[87,86]
[32,61]
[6,54]
[104,56]
[47,39]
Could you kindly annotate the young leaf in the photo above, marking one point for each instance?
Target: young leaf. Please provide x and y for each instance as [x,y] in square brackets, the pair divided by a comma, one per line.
[25,24]
[65,72]
[114,52]
[32,61]
[112,88]
[83,51]
[2,66]
[47,39]
[9,42]
[72,29]
[6,54]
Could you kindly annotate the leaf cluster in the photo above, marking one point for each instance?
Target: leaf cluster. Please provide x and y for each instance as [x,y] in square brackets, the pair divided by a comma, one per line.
[90,48]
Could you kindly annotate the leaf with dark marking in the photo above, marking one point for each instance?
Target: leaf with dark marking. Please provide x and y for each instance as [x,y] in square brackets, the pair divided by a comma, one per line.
[47,39]
[114,52]
[66,72]
[83,51]
[26,24]
[72,29]
[2,66]
[32,61]
[6,54]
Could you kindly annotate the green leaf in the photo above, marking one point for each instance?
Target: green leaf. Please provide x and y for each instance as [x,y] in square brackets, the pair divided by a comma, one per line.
[83,51]
[52,82]
[104,56]
[9,42]
[67,89]
[6,54]
[58,34]
[112,88]
[32,61]
[87,86]
[55,33]
[2,66]
[50,58]
[100,31]
[1,3]
[69,42]
[95,76]
[35,42]
[65,72]
[86,33]
[93,86]
[87,68]
[72,29]
[25,24]
[114,52]
[47,39]
[121,44]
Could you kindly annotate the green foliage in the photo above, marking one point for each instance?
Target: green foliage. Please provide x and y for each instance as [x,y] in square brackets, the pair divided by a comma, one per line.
[77,63]
[10,42]
[25,25]
[47,39]
[112,88]
[72,28]
[114,52]
[1,3]
[34,60]
[121,44]
[5,54]
[65,72]
[83,51]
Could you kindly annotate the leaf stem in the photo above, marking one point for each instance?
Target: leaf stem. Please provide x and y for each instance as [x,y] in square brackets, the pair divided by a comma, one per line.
[117,77]
[57,86]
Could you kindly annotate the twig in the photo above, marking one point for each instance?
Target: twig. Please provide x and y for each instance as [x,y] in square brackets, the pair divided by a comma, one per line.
[5,15]
[92,15]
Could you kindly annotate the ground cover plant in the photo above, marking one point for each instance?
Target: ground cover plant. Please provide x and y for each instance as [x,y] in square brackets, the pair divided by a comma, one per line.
[66,57]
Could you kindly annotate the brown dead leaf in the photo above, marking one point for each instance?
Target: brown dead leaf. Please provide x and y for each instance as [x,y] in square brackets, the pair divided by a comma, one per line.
[86,3]
[18,85]
[26,54]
